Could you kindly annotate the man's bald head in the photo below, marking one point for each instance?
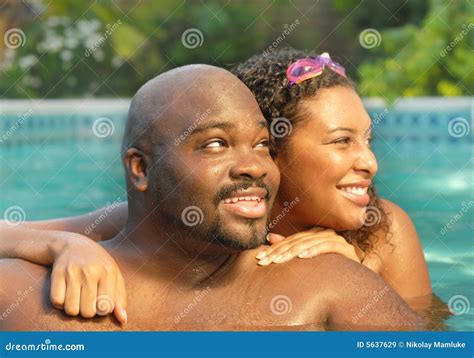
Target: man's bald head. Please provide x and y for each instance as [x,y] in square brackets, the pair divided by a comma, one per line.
[181,94]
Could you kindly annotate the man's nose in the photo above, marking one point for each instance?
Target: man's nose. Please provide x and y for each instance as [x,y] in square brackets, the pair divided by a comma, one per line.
[365,160]
[248,165]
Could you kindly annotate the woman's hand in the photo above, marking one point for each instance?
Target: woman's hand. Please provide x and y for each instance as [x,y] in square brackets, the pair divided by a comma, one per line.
[85,279]
[305,244]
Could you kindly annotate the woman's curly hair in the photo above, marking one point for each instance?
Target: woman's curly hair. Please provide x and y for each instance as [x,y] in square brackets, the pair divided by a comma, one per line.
[265,75]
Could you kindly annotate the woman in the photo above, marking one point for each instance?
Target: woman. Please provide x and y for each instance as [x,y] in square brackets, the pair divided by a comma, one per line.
[327,168]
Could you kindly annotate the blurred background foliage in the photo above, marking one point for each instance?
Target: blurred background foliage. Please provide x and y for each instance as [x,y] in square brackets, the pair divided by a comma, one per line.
[139,39]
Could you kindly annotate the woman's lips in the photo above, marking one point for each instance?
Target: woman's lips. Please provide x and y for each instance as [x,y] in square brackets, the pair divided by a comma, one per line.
[356,192]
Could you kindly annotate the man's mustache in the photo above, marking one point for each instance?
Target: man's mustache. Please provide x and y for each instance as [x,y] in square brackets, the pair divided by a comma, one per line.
[226,191]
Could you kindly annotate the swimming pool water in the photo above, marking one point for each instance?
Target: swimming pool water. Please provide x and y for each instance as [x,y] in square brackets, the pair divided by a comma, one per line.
[52,175]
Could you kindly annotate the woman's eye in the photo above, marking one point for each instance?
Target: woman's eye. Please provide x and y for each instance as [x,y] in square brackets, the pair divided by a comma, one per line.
[368,141]
[344,140]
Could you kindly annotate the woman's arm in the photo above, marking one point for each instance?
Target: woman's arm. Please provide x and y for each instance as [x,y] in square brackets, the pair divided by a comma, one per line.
[33,245]
[403,263]
[79,264]
[83,272]
[102,224]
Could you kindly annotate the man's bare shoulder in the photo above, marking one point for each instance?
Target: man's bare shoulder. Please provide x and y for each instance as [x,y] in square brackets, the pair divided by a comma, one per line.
[345,289]
[25,304]
[327,270]
[22,290]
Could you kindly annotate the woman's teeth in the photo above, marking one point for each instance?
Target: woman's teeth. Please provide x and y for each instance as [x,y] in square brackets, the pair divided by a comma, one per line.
[355,190]
[242,198]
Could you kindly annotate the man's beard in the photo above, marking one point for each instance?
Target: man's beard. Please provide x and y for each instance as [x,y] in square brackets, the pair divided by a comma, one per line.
[213,233]
[217,236]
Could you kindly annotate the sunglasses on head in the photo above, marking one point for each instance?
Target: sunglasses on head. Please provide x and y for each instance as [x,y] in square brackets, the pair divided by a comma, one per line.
[306,68]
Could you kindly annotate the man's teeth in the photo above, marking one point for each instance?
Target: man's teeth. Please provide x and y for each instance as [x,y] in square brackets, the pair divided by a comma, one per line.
[242,198]
[355,190]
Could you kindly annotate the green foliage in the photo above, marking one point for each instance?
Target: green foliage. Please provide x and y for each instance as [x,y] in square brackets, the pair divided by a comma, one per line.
[433,58]
[110,49]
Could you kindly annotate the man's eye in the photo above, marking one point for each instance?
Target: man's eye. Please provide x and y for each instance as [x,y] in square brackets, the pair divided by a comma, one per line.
[263,143]
[215,143]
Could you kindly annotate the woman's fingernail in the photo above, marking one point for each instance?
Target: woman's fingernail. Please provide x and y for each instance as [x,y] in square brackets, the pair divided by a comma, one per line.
[125,315]
[264,262]
[261,255]
[268,237]
[282,258]
[304,254]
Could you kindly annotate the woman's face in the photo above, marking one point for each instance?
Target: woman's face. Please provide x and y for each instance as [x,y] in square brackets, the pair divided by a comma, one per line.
[327,162]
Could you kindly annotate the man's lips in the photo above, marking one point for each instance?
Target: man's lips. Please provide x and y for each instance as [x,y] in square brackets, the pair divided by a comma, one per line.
[249,203]
[356,191]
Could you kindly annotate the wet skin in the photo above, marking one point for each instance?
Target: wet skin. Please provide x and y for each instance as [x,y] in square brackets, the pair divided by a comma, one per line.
[168,262]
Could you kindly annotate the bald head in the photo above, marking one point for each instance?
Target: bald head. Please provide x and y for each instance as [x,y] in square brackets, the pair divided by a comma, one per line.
[178,98]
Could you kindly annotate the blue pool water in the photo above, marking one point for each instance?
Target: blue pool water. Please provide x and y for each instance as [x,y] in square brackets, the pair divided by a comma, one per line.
[54,165]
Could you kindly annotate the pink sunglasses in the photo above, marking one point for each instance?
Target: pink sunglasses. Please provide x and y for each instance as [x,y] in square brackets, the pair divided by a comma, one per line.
[310,67]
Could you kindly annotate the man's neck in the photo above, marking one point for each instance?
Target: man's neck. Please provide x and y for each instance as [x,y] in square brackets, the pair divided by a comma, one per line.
[283,220]
[161,252]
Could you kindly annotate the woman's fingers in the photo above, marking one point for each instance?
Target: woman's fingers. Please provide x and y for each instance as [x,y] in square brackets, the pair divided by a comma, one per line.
[73,293]
[326,247]
[120,309]
[292,249]
[309,247]
[57,293]
[280,243]
[88,297]
[274,238]
[106,295]
[282,248]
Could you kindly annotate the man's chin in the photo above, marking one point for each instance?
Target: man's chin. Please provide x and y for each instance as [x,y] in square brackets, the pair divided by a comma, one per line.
[249,238]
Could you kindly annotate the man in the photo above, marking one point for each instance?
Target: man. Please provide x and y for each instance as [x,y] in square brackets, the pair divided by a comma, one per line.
[201,182]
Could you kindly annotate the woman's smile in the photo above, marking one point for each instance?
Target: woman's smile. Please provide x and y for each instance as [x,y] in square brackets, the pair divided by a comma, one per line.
[356,191]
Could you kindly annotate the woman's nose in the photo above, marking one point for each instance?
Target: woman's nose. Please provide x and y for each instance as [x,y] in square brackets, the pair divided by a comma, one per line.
[366,160]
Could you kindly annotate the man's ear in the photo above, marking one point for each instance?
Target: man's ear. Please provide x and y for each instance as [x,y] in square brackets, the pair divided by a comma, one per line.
[136,164]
